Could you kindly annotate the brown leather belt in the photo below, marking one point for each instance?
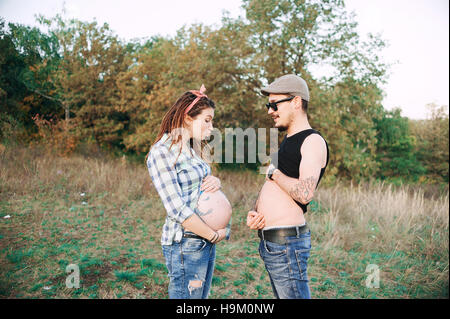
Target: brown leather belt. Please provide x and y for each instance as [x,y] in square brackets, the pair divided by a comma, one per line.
[278,235]
[187,234]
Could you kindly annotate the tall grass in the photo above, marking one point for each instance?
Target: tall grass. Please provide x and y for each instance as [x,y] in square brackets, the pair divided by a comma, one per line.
[401,231]
[104,215]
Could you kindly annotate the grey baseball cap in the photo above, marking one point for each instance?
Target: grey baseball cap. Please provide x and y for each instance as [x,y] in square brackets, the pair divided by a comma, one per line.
[288,84]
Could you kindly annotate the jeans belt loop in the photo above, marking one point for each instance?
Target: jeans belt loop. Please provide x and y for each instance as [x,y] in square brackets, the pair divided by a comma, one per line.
[297,231]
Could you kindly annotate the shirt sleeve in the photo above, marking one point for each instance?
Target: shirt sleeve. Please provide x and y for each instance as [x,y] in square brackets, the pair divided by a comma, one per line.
[162,171]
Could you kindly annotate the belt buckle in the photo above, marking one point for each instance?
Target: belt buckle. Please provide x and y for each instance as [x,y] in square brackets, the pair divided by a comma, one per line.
[299,230]
[188,234]
[261,231]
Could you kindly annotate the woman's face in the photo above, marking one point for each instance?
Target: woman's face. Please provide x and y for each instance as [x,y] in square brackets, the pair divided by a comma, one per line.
[202,125]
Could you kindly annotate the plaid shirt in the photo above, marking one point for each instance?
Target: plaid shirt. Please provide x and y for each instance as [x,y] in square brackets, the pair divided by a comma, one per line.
[178,185]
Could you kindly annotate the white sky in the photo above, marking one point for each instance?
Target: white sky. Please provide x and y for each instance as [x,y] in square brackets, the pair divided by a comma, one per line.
[417,32]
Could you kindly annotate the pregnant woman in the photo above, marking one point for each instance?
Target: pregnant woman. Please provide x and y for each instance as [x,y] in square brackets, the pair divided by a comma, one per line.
[198,213]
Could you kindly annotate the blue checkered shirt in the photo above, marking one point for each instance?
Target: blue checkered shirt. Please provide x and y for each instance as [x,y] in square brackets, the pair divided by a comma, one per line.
[178,185]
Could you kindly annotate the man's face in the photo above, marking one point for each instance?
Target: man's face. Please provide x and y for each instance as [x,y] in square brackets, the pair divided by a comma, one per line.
[283,116]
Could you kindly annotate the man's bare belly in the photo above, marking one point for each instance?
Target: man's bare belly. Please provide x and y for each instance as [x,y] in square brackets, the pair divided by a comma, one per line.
[278,208]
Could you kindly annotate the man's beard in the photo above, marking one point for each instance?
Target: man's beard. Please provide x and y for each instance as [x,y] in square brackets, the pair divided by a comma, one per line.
[284,127]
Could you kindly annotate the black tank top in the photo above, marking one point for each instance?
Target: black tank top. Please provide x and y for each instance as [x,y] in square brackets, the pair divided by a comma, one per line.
[289,156]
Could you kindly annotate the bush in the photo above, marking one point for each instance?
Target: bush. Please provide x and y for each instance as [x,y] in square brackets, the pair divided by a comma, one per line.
[57,136]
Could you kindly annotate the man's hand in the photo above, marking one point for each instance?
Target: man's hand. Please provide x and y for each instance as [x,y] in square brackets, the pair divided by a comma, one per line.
[255,220]
[270,169]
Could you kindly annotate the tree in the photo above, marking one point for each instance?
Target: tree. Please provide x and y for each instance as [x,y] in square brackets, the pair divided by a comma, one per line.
[196,55]
[40,54]
[295,36]
[12,90]
[27,58]
[92,60]
[396,148]
[117,93]
[432,140]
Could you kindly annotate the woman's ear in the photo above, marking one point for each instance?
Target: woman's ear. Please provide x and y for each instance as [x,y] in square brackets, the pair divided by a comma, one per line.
[188,120]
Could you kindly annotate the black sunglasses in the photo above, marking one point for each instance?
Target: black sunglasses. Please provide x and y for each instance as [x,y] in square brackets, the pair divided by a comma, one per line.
[274,106]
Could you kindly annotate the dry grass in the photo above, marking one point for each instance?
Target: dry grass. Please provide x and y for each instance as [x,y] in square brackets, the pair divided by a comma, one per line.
[402,232]
[112,232]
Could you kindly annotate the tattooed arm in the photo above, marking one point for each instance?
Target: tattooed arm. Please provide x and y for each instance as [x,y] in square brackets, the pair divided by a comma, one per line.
[303,190]
[313,159]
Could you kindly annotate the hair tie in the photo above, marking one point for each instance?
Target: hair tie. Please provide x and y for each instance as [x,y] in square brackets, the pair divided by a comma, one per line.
[200,93]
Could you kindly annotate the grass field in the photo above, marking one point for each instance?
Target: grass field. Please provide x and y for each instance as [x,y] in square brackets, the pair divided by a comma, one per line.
[104,216]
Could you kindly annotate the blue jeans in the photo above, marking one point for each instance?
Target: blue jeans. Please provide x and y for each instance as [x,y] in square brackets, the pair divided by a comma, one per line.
[287,265]
[190,264]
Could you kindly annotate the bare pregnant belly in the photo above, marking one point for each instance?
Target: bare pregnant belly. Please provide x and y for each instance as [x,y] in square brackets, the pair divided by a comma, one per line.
[215,209]
[278,208]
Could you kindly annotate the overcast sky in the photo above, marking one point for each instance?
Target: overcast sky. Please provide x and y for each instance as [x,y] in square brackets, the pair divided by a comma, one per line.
[417,32]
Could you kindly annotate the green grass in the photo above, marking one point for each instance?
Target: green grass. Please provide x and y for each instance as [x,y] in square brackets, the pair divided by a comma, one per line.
[113,234]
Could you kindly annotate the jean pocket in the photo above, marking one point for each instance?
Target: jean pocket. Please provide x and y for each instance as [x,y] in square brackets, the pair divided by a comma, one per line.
[192,245]
[302,256]
[274,248]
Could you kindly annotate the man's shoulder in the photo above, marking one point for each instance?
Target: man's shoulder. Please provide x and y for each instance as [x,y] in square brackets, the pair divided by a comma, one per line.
[314,143]
[315,138]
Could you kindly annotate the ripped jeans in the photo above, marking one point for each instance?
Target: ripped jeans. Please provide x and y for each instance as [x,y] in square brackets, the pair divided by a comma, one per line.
[190,264]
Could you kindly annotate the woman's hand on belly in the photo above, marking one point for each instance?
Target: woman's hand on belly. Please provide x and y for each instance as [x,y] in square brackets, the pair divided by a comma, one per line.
[210,184]
[222,234]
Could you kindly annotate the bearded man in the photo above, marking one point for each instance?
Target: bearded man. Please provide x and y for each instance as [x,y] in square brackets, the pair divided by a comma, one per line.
[291,179]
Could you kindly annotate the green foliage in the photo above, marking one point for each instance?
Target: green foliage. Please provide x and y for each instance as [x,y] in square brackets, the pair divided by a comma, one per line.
[126,276]
[115,93]
[11,129]
[432,143]
[93,61]
[395,148]
[12,90]
[27,58]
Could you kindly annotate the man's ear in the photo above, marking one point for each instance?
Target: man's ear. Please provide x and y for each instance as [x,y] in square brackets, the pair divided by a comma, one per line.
[297,102]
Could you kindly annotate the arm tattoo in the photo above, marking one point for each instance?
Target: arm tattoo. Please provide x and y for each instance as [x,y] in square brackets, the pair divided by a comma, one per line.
[303,190]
